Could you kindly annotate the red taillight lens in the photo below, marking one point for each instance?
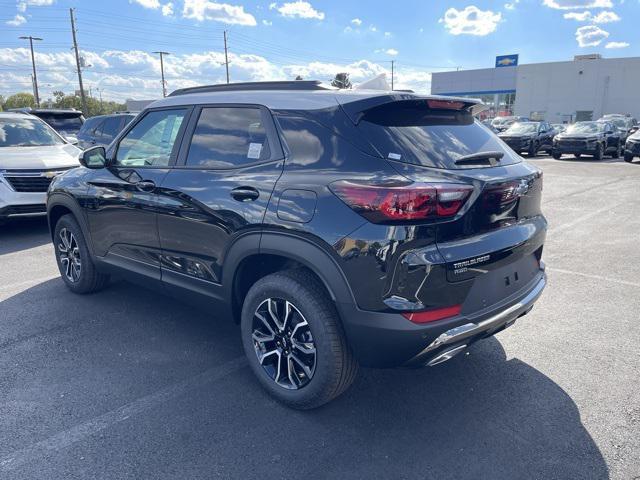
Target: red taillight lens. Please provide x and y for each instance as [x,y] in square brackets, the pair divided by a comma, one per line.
[427,316]
[384,204]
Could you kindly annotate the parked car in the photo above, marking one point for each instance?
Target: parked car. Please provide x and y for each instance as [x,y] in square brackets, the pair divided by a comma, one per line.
[323,221]
[588,138]
[487,123]
[530,137]
[624,123]
[102,129]
[66,121]
[502,123]
[632,147]
[31,155]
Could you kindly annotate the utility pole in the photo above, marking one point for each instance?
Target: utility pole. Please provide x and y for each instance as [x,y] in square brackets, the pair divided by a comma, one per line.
[164,86]
[33,64]
[392,65]
[226,57]
[85,110]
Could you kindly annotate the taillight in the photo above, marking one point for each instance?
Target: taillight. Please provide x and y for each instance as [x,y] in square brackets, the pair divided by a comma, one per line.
[414,201]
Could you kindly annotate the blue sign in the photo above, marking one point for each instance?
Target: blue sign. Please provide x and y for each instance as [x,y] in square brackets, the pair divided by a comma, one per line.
[506,61]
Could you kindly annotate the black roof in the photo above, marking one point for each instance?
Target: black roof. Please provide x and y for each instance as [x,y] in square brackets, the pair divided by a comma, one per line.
[276,85]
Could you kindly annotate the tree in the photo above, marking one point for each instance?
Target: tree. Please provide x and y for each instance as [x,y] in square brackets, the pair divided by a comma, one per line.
[299,77]
[19,100]
[341,81]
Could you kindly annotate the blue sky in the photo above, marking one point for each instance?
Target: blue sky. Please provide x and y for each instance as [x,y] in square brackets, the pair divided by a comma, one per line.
[277,40]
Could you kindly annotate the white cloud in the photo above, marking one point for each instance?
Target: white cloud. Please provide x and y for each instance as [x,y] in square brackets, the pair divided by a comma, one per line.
[471,21]
[577,4]
[153,4]
[616,45]
[389,51]
[220,12]
[17,20]
[512,5]
[373,28]
[136,74]
[298,9]
[167,9]
[23,4]
[586,16]
[357,22]
[268,23]
[387,34]
[590,36]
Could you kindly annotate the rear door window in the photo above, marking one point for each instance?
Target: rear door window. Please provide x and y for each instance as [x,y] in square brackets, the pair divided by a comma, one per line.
[227,137]
[111,127]
[413,133]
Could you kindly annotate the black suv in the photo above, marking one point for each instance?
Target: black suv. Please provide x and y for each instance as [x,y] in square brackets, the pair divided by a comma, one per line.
[588,138]
[102,129]
[530,137]
[67,122]
[337,227]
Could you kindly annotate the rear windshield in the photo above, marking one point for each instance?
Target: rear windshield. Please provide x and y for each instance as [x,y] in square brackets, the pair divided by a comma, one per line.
[62,123]
[413,133]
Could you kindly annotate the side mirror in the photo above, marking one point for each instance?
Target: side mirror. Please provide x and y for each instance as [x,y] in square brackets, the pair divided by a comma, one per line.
[609,132]
[72,139]
[94,157]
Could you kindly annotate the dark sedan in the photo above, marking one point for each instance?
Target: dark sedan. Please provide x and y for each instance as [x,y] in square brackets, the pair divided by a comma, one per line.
[530,137]
[588,138]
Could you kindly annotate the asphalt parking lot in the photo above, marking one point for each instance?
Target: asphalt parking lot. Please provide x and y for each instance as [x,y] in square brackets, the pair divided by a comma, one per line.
[129,384]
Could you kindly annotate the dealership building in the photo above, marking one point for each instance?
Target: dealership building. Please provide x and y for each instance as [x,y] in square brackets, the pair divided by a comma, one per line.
[583,89]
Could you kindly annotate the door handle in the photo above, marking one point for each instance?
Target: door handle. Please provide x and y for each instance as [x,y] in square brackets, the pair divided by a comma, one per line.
[244,194]
[146,186]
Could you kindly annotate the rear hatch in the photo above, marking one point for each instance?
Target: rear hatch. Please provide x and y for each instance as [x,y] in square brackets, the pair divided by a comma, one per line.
[498,233]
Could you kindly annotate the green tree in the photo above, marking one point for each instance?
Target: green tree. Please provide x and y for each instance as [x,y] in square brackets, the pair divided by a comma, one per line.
[95,106]
[341,80]
[19,100]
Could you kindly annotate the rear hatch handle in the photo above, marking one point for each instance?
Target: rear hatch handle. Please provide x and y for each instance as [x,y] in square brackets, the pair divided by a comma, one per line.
[491,158]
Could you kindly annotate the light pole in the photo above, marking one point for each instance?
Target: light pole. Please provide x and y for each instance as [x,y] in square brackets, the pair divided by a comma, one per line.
[164,87]
[33,63]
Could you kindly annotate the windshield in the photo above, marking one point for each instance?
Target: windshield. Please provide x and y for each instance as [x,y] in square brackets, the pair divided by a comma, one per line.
[63,123]
[519,128]
[620,123]
[26,132]
[412,133]
[585,127]
[503,120]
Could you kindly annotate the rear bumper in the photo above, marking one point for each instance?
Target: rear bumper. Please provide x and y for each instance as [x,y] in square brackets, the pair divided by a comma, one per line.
[386,340]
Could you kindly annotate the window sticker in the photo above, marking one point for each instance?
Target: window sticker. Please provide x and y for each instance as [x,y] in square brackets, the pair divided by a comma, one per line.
[255,149]
[394,156]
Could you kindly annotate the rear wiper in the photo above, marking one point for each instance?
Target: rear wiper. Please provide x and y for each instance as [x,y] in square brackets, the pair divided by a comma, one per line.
[489,157]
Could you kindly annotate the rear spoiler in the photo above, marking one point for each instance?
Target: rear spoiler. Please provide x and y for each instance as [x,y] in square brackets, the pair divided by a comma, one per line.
[357,109]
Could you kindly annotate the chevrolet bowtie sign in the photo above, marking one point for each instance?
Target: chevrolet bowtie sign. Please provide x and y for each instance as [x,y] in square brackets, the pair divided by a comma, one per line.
[506,61]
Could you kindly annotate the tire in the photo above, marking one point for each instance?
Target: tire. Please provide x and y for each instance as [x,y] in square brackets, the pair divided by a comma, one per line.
[577,155]
[78,271]
[628,157]
[599,155]
[330,369]
[617,152]
[556,155]
[533,149]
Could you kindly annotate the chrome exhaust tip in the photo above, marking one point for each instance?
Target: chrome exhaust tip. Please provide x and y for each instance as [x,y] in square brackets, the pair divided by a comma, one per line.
[446,355]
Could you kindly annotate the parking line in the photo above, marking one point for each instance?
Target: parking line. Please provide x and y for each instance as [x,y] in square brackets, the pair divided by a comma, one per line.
[554,231]
[61,440]
[595,277]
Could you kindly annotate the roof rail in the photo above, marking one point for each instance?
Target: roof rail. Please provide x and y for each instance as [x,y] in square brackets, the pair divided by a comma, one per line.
[230,87]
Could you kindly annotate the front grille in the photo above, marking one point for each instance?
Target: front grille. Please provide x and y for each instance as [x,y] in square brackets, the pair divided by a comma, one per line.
[573,143]
[30,181]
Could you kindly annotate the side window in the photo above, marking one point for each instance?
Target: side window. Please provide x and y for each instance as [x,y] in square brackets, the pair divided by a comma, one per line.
[227,137]
[111,127]
[150,142]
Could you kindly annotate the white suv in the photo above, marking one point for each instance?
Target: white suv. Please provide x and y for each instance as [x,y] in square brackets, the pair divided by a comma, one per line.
[31,154]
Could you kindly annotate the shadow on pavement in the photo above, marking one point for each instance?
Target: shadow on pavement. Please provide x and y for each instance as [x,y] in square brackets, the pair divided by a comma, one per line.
[23,233]
[478,416]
